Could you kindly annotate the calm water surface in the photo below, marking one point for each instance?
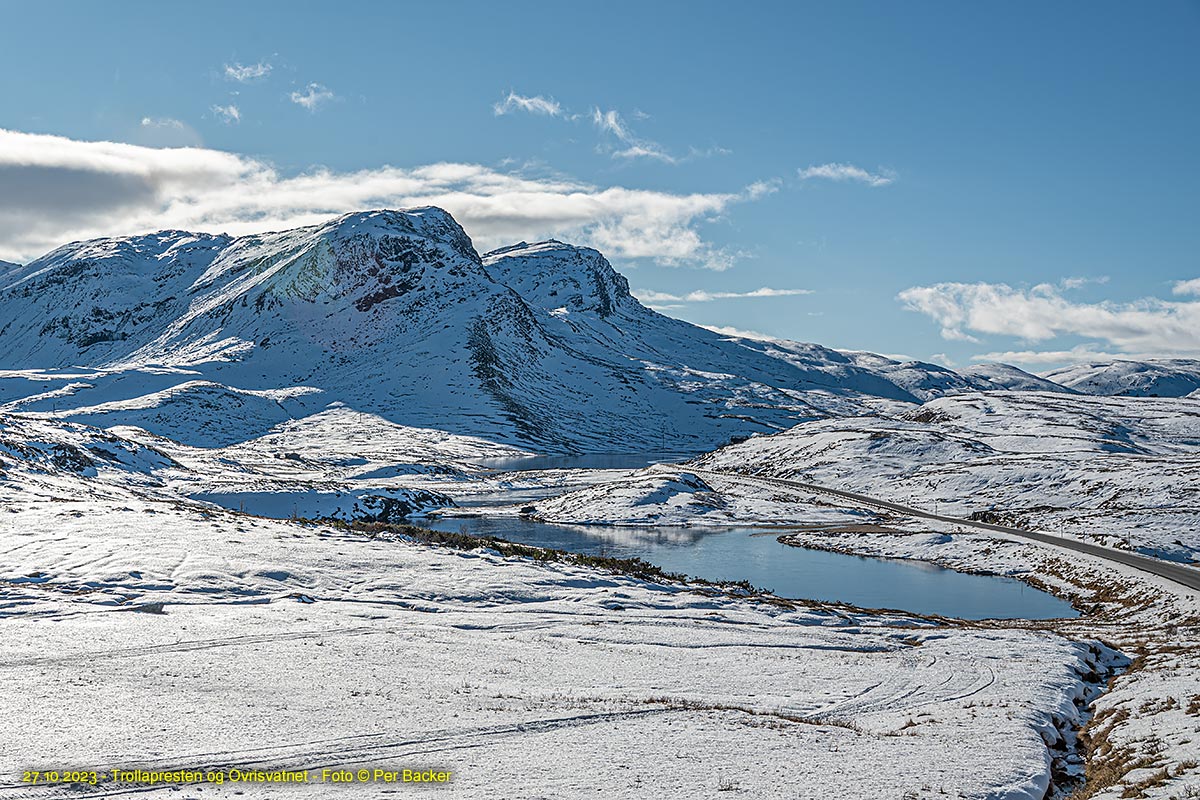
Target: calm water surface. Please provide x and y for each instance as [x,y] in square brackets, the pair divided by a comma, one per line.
[739,554]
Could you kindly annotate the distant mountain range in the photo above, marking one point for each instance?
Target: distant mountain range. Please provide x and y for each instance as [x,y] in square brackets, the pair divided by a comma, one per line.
[1175,377]
[211,339]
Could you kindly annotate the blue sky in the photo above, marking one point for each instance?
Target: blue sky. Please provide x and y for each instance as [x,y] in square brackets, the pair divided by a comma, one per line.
[947,181]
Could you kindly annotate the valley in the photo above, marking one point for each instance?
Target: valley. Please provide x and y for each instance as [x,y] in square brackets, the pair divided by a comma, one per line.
[213,451]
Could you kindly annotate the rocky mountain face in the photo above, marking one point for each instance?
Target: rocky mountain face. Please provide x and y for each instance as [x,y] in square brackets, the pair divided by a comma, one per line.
[212,340]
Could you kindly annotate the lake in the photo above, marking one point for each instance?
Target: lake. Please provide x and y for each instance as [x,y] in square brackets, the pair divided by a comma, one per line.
[756,556]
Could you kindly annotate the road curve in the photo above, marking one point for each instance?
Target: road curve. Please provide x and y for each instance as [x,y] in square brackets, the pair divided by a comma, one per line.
[1179,573]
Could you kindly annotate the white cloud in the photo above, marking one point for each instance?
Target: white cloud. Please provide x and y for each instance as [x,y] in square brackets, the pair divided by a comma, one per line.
[313,96]
[610,122]
[532,105]
[1041,313]
[726,330]
[644,151]
[846,172]
[228,114]
[245,74]
[763,188]
[1187,287]
[657,299]
[1080,282]
[165,122]
[938,358]
[702,296]
[1074,355]
[707,152]
[57,189]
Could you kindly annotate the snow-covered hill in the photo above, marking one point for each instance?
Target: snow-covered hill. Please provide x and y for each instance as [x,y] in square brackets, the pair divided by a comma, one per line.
[1010,378]
[362,369]
[926,381]
[42,449]
[1124,470]
[214,340]
[110,594]
[1158,377]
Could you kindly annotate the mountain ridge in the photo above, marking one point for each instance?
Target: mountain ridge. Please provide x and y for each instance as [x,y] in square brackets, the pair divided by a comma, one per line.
[1153,377]
[210,338]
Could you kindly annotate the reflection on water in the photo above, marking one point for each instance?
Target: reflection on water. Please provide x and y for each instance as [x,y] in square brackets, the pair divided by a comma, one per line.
[746,554]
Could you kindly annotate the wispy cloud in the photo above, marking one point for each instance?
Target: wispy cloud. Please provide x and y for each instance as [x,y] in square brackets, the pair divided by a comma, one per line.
[940,358]
[707,152]
[1042,313]
[611,123]
[1187,287]
[738,333]
[60,189]
[702,296]
[246,73]
[536,104]
[228,114]
[313,96]
[1080,282]
[846,172]
[621,142]
[1071,356]
[164,122]
[645,150]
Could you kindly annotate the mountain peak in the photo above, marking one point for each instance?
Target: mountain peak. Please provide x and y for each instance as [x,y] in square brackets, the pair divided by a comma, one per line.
[528,248]
[561,277]
[428,222]
[393,312]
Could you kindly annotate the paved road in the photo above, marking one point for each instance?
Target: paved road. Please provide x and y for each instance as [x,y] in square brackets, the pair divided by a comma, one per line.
[1179,573]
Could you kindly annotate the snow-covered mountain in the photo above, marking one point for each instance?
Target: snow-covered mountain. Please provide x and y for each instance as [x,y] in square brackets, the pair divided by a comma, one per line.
[1157,377]
[213,340]
[1009,378]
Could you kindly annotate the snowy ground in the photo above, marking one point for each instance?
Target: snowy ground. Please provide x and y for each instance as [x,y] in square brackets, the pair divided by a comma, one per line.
[1143,740]
[521,679]
[669,496]
[265,643]
[1100,468]
[1123,471]
[286,645]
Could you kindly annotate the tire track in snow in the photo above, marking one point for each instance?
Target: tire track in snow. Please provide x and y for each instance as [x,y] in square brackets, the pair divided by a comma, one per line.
[188,646]
[339,753]
[914,689]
